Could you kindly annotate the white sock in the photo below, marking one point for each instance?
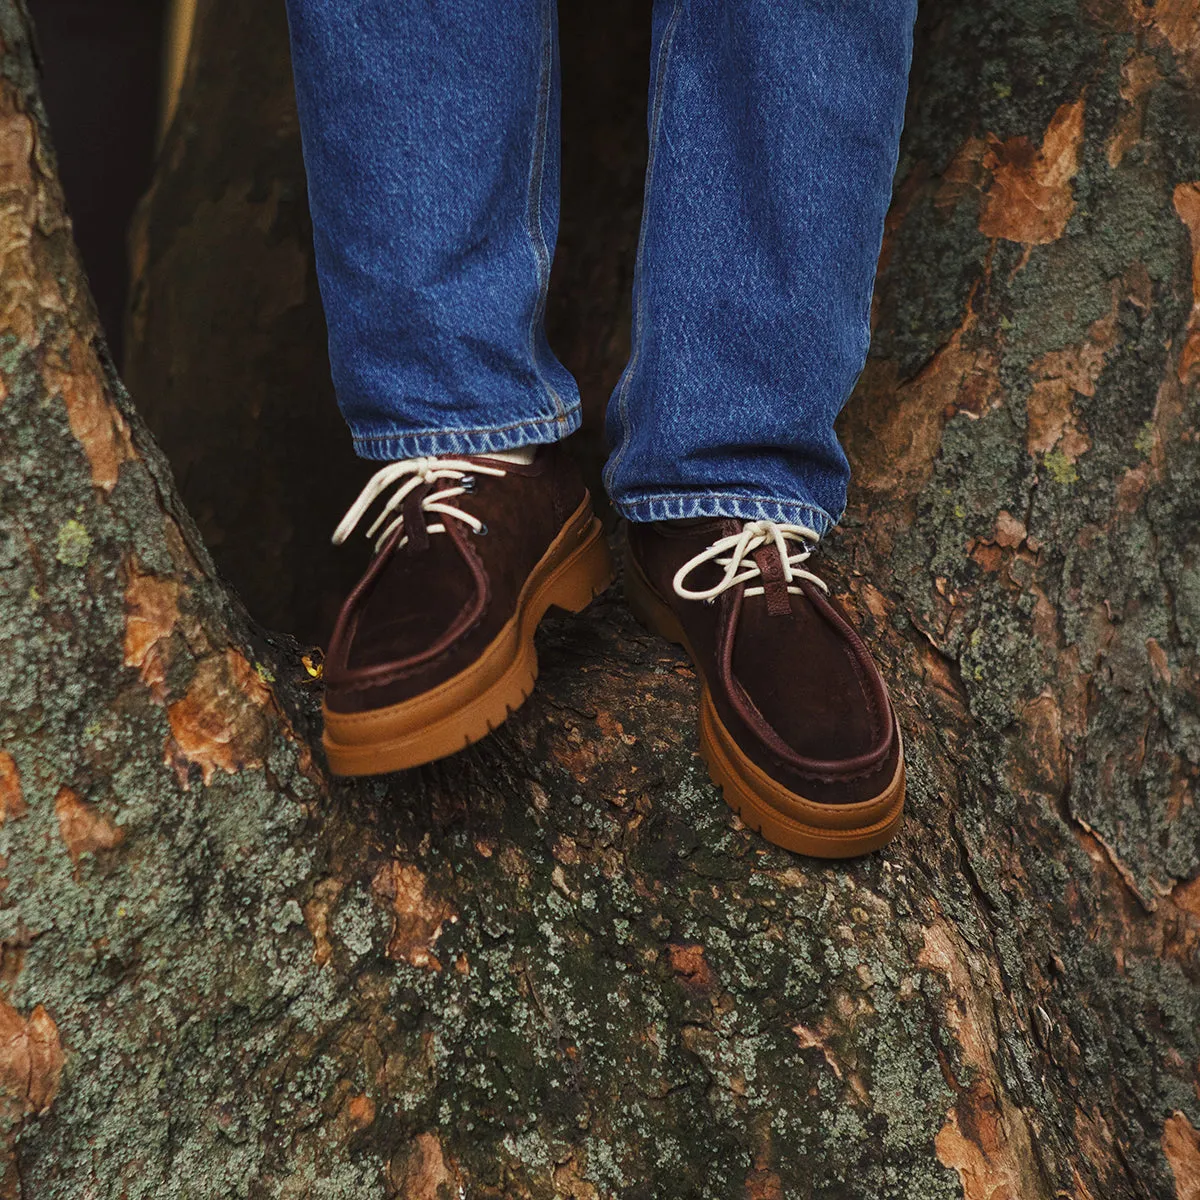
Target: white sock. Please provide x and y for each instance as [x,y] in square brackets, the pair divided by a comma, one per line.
[522,455]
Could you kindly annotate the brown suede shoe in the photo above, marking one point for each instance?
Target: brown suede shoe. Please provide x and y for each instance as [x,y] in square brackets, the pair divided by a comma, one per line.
[795,722]
[434,648]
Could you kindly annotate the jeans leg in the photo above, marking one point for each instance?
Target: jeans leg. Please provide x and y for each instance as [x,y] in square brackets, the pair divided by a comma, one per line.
[431,145]
[774,133]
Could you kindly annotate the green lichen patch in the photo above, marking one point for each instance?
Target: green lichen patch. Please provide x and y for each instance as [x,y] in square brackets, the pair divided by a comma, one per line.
[72,543]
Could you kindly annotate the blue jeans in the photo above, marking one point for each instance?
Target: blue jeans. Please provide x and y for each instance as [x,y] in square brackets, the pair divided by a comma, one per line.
[431,142]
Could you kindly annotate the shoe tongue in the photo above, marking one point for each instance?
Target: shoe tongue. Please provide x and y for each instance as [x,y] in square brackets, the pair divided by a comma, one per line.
[523,455]
[414,520]
[774,582]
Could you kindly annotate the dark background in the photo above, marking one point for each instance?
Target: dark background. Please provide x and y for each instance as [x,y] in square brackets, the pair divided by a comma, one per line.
[102,71]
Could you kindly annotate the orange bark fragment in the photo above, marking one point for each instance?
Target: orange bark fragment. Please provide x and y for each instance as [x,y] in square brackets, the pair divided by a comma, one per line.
[876,602]
[1181,1146]
[83,828]
[151,613]
[12,803]
[31,1058]
[1042,761]
[1176,22]
[763,1185]
[1158,661]
[1187,205]
[361,1111]
[1030,198]
[990,558]
[95,421]
[565,850]
[821,1039]
[418,914]
[1010,532]
[421,1172]
[1096,1142]
[809,1039]
[569,1183]
[689,963]
[221,722]
[965,173]
[986,1137]
[1051,414]
[1058,377]
[1138,76]
[895,429]
[18,274]
[316,917]
[976,1142]
[1187,897]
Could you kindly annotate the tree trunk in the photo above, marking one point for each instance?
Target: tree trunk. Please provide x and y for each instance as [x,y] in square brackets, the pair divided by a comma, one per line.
[556,965]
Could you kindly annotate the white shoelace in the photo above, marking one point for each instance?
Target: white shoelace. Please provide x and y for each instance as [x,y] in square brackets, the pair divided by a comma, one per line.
[740,567]
[409,474]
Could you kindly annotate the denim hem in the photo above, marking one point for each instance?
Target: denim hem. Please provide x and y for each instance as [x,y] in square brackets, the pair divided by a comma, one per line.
[390,446]
[543,254]
[682,506]
[620,398]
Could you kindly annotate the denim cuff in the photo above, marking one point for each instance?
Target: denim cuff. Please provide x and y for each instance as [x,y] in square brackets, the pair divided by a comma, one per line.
[391,445]
[681,506]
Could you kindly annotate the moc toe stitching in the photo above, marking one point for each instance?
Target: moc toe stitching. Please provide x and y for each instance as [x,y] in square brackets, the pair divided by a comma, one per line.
[753,720]
[379,675]
[404,685]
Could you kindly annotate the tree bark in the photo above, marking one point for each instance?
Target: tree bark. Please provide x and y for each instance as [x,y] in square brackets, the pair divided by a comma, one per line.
[556,965]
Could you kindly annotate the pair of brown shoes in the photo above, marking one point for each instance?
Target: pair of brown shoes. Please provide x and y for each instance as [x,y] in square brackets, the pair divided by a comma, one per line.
[434,647]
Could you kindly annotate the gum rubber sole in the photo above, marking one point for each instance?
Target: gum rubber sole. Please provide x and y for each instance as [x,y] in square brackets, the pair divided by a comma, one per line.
[781,816]
[470,705]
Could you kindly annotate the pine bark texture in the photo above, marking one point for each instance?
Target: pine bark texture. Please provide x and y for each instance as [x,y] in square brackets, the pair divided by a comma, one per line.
[556,966]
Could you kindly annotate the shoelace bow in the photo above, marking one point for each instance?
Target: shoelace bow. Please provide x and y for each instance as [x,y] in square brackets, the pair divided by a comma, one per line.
[734,554]
[409,474]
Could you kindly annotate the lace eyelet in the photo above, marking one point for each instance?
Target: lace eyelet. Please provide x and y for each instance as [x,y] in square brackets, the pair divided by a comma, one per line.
[467,483]
[482,531]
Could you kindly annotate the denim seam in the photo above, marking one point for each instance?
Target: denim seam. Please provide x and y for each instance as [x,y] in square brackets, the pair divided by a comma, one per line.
[457,442]
[527,422]
[533,216]
[656,108]
[690,504]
